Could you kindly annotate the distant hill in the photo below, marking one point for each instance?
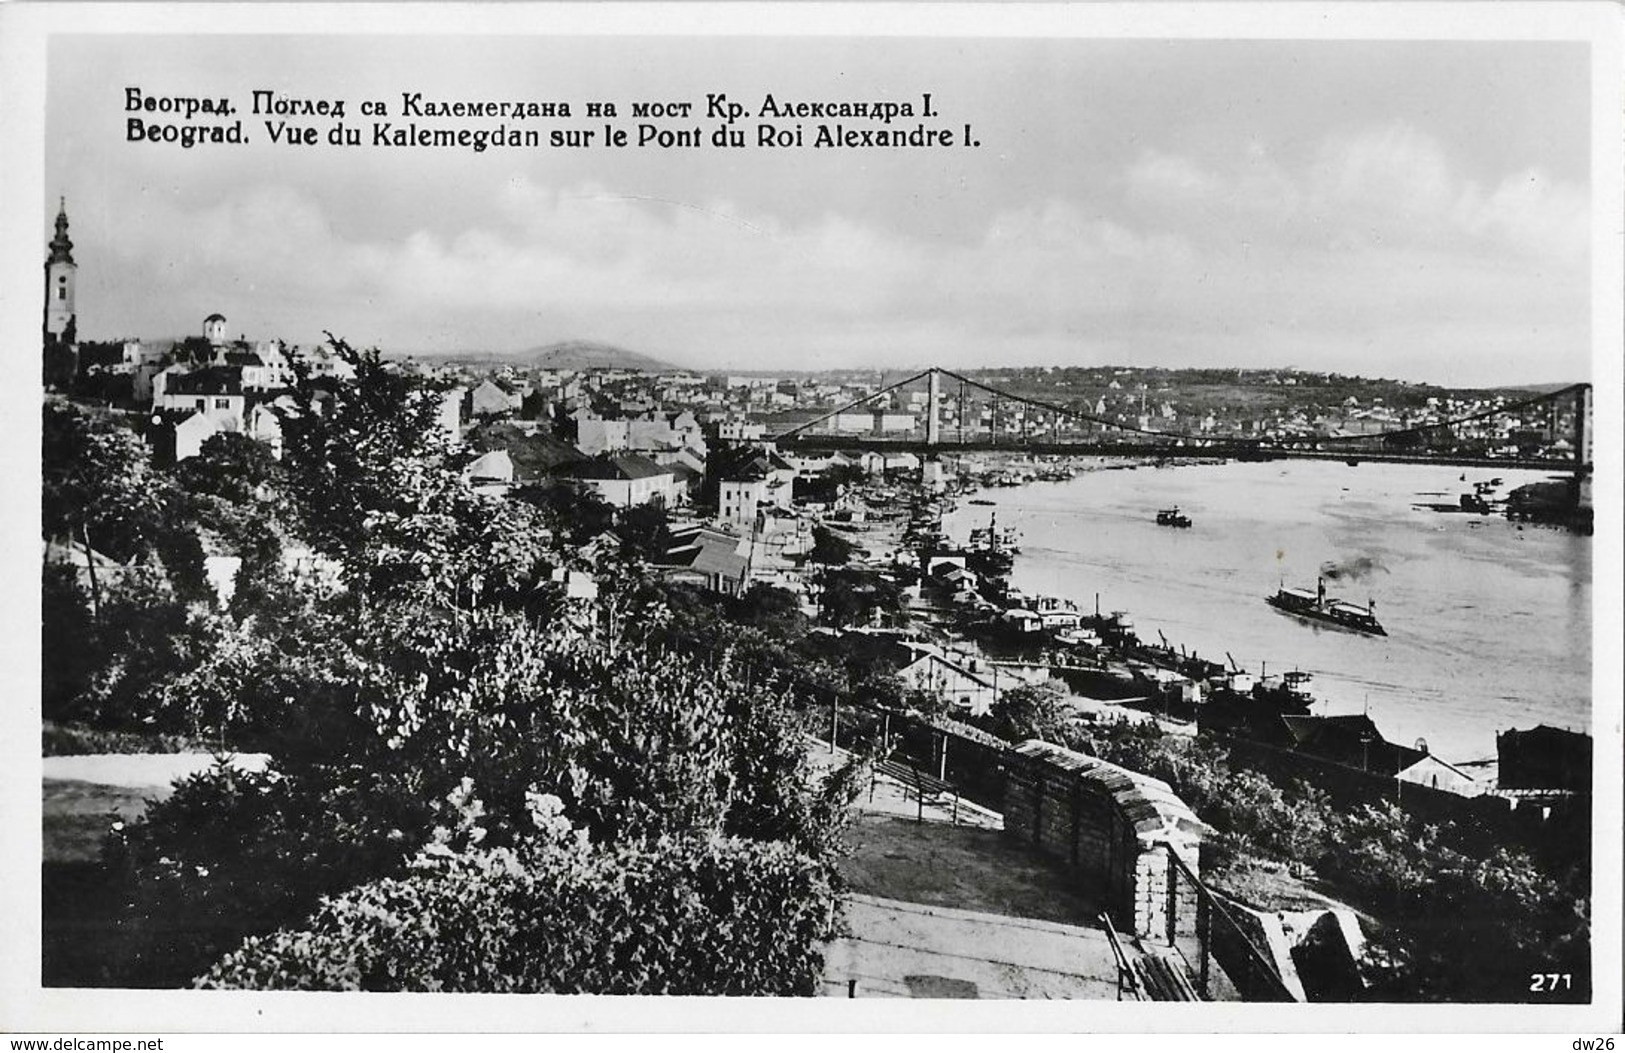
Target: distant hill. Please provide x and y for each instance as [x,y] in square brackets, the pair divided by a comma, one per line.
[566,354]
[590,354]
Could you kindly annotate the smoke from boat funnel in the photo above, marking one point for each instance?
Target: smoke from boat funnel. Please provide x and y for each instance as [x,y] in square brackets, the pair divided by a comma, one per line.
[1351,569]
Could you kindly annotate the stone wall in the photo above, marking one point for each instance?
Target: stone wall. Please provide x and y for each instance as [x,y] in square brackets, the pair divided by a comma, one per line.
[1111,826]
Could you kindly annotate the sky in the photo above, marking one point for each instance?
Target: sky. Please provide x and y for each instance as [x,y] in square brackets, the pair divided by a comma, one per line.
[1418,210]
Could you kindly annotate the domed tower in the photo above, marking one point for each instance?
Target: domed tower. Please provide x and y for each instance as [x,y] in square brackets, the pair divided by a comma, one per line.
[214,329]
[60,275]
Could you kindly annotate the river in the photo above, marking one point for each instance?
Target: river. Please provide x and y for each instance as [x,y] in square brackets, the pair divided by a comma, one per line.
[1489,624]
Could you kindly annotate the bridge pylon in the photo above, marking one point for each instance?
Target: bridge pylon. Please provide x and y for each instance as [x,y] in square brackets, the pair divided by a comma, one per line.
[933,409]
[1582,447]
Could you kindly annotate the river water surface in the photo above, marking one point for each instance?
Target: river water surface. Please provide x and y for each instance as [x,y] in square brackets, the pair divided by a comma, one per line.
[1489,624]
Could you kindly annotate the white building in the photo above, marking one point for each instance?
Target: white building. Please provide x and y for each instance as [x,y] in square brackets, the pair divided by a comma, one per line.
[595,436]
[740,500]
[968,684]
[193,432]
[1436,774]
[627,479]
[450,418]
[740,431]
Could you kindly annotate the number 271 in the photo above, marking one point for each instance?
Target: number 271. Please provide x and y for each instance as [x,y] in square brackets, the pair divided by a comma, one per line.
[1551,981]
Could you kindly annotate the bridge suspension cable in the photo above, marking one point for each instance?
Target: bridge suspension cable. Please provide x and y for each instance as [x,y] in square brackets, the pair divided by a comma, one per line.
[1151,439]
[1550,398]
[854,404]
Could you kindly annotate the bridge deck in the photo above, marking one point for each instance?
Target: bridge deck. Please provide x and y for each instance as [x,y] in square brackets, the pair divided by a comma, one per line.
[1174,448]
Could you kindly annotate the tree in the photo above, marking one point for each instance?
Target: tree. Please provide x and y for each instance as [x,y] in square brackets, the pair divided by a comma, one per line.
[773,610]
[144,636]
[574,517]
[1029,711]
[366,463]
[232,853]
[66,633]
[97,484]
[830,548]
[646,531]
[858,596]
[232,467]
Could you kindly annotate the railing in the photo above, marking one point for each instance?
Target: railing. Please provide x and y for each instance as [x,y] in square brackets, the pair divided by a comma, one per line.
[1213,936]
[1126,979]
[948,760]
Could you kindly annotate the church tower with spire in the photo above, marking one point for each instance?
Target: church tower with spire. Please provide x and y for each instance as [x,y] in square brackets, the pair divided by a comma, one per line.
[60,275]
[61,355]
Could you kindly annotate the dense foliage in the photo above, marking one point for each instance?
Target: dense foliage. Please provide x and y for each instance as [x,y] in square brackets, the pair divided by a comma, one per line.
[830,548]
[1466,919]
[678,915]
[479,784]
[419,714]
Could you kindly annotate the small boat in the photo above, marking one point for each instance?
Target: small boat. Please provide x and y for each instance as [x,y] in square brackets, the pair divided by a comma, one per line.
[992,538]
[1173,517]
[1318,607]
[1288,694]
[980,501]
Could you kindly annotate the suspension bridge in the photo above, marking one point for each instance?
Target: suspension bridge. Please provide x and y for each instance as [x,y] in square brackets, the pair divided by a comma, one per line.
[939,410]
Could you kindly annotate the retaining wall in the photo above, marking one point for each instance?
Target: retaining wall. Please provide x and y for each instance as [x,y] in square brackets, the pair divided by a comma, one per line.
[1108,824]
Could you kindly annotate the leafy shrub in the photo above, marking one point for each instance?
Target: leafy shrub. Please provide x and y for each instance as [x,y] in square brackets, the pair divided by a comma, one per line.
[74,740]
[639,745]
[143,637]
[1030,711]
[684,915]
[231,853]
[282,685]
[65,630]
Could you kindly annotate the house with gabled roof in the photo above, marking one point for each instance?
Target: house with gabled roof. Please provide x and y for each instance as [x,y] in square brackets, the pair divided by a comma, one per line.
[711,559]
[596,435]
[490,399]
[624,480]
[1348,739]
[749,482]
[1438,774]
[216,391]
[194,431]
[968,683]
[490,473]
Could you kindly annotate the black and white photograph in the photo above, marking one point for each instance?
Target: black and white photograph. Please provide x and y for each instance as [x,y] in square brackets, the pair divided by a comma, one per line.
[817,508]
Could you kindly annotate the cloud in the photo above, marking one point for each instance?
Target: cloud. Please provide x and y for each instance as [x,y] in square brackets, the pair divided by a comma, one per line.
[1374,253]
[1391,185]
[1398,183]
[1161,175]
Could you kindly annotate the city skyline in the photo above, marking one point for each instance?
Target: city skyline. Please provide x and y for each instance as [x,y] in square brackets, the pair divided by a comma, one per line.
[1404,209]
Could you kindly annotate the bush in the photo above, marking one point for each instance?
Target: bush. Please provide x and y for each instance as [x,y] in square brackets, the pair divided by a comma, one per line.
[75,740]
[639,746]
[1475,923]
[1196,769]
[65,629]
[1030,711]
[231,853]
[685,916]
[144,637]
[830,548]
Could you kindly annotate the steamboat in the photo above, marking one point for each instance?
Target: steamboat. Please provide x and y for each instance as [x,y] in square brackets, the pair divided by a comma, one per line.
[1318,607]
